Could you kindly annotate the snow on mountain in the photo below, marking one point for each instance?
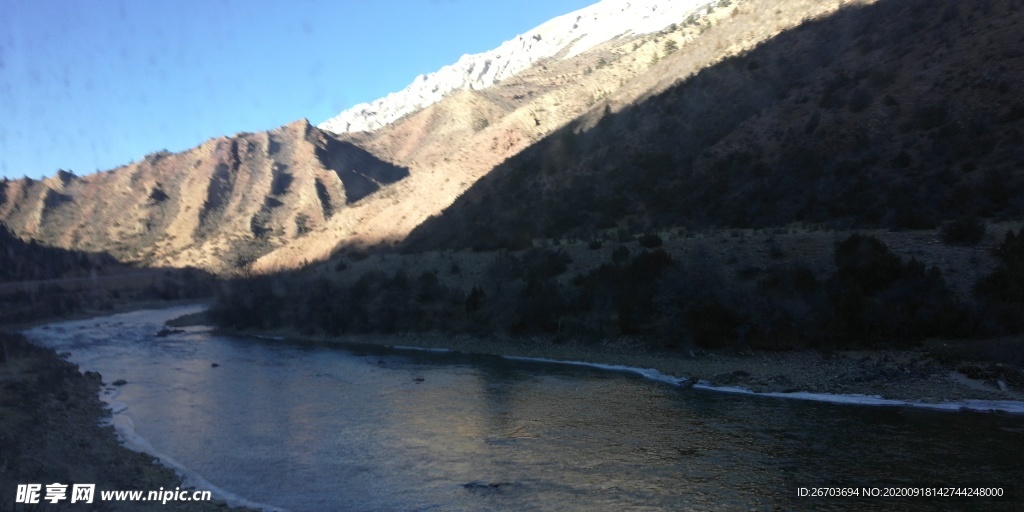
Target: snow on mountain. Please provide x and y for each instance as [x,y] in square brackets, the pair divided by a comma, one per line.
[562,37]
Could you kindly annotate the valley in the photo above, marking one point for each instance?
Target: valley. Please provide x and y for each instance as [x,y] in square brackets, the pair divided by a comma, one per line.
[686,222]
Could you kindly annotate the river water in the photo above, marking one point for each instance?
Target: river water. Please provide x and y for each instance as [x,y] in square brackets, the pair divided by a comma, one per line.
[309,428]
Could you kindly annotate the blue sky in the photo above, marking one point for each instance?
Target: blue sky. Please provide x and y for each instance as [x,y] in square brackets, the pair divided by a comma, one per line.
[91,85]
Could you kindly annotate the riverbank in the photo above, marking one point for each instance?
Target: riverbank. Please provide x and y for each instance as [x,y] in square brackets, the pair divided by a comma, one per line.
[112,308]
[916,375]
[50,417]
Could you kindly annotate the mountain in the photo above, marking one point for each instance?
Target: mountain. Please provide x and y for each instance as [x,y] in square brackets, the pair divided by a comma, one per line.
[217,206]
[451,144]
[560,38]
[897,114]
[277,200]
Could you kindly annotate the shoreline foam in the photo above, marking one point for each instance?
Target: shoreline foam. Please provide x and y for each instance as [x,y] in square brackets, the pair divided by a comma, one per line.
[152,320]
[1005,406]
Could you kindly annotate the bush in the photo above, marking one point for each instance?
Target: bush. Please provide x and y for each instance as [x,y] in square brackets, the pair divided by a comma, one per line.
[1006,282]
[876,298]
[694,307]
[712,324]
[650,240]
[620,254]
[544,263]
[649,265]
[866,262]
[966,230]
[475,299]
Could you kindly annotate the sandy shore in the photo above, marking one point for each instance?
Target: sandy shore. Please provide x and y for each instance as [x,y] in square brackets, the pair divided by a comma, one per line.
[50,431]
[911,375]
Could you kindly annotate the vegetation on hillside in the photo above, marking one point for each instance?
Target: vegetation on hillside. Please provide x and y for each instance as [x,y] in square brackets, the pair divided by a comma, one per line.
[21,261]
[870,298]
[38,282]
[898,114]
[894,114]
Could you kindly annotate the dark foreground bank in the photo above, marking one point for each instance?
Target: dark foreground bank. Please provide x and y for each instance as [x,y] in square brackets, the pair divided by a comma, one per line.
[50,432]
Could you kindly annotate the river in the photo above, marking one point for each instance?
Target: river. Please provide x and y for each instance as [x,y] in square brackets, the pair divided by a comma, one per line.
[308,428]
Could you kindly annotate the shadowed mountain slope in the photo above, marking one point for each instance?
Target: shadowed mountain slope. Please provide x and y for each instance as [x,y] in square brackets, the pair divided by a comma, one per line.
[895,114]
[20,261]
[648,132]
[257,202]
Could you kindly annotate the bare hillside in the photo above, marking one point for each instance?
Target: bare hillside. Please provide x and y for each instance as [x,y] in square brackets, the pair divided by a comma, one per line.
[218,206]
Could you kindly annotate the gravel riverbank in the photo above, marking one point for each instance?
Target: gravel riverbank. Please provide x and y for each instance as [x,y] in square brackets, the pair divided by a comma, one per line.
[50,417]
[913,375]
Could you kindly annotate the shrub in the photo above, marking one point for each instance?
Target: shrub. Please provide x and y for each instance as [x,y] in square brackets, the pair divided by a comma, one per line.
[475,299]
[544,263]
[540,307]
[966,230]
[866,262]
[694,307]
[620,254]
[712,324]
[650,240]
[649,265]
[1006,282]
[876,297]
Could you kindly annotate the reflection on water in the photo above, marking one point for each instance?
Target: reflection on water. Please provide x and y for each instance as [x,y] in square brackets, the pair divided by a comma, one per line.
[318,428]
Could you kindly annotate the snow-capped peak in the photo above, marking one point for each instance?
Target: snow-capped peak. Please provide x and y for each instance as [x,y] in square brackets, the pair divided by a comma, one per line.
[564,36]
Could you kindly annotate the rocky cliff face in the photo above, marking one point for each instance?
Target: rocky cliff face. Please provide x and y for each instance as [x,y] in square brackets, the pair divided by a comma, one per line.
[218,206]
[560,38]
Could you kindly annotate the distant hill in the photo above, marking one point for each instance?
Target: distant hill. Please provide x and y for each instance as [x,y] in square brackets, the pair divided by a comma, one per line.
[897,114]
[218,206]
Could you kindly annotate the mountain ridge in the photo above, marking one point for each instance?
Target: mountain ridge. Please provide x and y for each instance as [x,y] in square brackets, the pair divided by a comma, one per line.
[217,206]
[426,160]
[561,37]
[852,120]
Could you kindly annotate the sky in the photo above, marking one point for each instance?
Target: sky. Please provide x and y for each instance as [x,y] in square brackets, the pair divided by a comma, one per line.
[92,85]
